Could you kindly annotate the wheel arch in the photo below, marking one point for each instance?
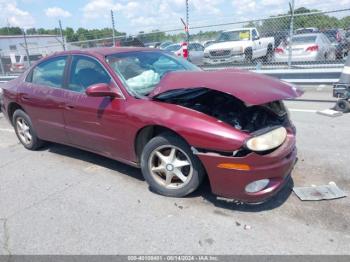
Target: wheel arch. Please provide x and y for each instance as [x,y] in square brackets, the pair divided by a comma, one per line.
[11,108]
[146,133]
[270,47]
[248,49]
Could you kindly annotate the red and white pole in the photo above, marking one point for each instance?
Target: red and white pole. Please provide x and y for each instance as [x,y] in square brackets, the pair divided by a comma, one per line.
[184,50]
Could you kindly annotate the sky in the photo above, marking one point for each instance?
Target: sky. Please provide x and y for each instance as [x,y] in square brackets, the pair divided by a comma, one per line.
[136,15]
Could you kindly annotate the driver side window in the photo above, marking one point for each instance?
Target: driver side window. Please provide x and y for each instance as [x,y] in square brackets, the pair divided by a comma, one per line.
[85,72]
[255,34]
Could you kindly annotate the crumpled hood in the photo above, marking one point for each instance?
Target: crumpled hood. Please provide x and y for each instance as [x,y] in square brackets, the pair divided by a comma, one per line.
[249,87]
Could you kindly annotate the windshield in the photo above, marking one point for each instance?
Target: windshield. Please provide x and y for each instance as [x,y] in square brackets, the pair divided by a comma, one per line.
[234,36]
[165,44]
[305,31]
[142,71]
[304,39]
[172,48]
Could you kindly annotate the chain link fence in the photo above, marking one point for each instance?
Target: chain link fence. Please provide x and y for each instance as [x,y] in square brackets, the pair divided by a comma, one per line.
[297,40]
[302,40]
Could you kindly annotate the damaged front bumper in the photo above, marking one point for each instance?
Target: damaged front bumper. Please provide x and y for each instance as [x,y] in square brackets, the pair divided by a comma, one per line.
[232,183]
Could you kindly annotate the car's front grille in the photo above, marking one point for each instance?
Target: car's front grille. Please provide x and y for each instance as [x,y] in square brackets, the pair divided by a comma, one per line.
[220,53]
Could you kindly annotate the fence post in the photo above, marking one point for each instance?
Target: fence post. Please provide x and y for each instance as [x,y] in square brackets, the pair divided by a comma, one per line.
[62,37]
[1,66]
[291,29]
[26,46]
[187,23]
[113,27]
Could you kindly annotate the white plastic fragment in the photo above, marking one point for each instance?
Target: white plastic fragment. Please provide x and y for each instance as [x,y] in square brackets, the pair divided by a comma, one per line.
[325,192]
[330,112]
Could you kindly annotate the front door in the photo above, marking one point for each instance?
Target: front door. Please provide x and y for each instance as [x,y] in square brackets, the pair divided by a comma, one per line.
[257,45]
[93,123]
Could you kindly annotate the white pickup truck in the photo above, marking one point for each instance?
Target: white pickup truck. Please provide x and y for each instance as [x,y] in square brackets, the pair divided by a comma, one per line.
[239,45]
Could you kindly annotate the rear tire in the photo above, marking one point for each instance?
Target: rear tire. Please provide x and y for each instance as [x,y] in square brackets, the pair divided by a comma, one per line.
[342,106]
[248,56]
[25,131]
[332,56]
[169,166]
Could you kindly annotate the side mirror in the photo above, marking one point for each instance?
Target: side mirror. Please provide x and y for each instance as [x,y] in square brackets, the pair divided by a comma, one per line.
[102,90]
[256,38]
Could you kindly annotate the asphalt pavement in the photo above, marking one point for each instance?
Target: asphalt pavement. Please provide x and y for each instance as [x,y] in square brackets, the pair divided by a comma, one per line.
[62,200]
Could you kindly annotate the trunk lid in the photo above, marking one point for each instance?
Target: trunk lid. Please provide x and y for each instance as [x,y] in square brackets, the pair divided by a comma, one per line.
[251,88]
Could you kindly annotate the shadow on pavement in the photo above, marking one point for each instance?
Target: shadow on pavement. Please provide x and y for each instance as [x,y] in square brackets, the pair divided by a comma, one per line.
[204,191]
[94,159]
[279,199]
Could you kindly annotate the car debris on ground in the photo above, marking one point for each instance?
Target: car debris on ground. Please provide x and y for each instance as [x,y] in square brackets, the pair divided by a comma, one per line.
[330,112]
[316,193]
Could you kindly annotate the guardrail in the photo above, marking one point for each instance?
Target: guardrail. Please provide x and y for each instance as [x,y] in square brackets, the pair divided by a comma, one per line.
[306,76]
[4,79]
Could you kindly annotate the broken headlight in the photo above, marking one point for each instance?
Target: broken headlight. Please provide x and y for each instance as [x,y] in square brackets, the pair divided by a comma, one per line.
[267,140]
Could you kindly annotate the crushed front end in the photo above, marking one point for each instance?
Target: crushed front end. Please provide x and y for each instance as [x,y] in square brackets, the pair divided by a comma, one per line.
[262,165]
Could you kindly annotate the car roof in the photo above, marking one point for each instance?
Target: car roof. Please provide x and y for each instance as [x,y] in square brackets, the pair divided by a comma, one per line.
[176,44]
[239,29]
[105,51]
[308,34]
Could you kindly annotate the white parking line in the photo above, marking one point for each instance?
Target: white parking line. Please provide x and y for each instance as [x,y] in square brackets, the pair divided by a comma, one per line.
[7,130]
[303,110]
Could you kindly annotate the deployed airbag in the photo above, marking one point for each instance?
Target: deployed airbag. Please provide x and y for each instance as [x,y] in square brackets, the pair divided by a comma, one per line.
[144,83]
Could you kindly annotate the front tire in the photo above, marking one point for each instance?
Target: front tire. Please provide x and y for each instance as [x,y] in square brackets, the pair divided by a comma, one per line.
[269,55]
[169,166]
[342,105]
[25,131]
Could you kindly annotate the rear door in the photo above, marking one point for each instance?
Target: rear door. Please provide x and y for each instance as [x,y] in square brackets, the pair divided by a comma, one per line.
[42,98]
[93,123]
[196,52]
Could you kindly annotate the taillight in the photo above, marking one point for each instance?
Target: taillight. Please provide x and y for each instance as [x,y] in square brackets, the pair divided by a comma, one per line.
[279,50]
[338,36]
[312,48]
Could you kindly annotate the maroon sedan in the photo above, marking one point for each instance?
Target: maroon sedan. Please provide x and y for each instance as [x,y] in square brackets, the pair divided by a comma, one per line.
[152,110]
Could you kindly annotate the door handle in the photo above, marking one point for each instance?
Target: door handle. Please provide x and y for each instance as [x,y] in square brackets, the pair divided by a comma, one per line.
[25,98]
[69,107]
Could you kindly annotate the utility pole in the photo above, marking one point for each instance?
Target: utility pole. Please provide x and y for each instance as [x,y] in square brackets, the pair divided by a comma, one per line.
[26,45]
[291,29]
[187,23]
[1,65]
[8,26]
[62,37]
[113,27]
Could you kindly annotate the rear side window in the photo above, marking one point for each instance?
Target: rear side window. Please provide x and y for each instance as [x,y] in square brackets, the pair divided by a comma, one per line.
[85,72]
[199,47]
[49,73]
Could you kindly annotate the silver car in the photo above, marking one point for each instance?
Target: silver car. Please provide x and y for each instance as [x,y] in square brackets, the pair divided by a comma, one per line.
[195,50]
[306,47]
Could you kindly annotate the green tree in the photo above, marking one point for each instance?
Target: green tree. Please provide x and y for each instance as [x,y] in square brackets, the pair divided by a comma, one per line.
[10,31]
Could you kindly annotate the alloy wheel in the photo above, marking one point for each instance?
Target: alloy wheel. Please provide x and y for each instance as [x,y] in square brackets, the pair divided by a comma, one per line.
[23,130]
[170,166]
